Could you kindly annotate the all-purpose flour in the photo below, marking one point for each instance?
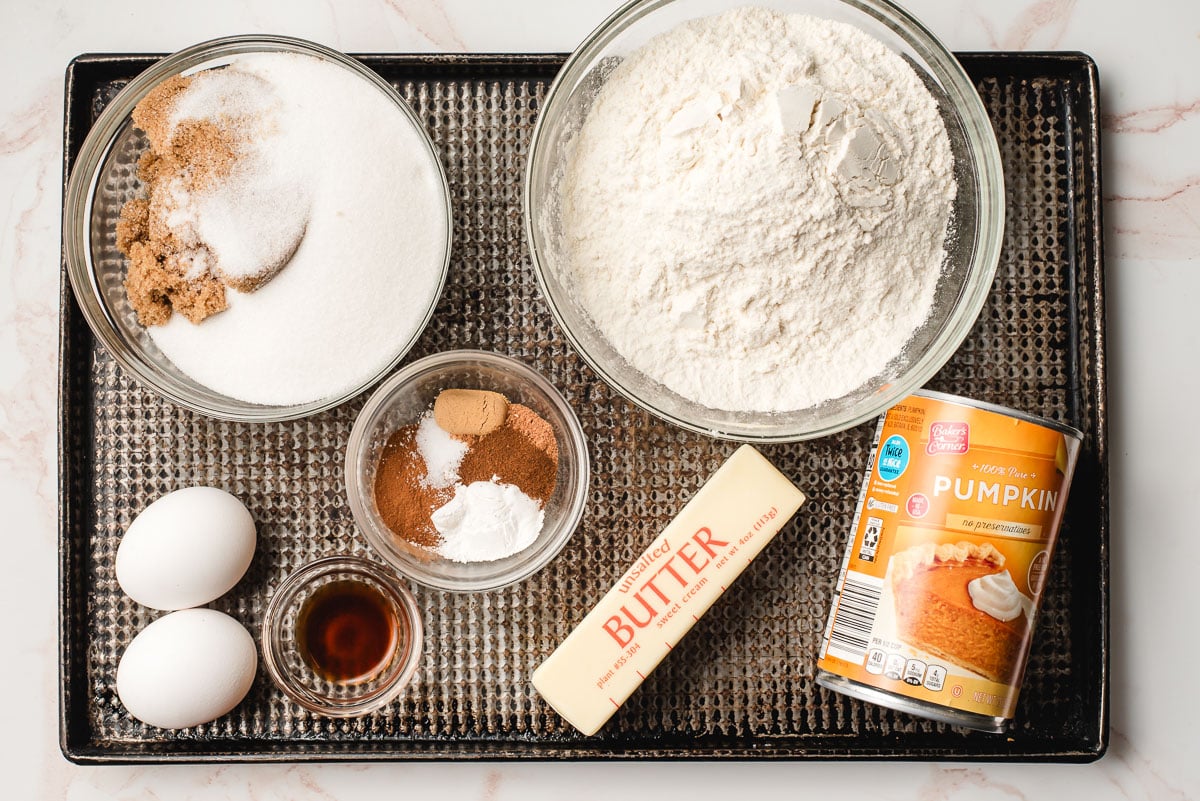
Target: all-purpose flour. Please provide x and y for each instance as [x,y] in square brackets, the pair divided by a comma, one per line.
[756,209]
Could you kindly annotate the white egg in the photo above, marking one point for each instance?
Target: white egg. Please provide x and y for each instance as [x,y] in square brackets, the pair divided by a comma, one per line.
[187,668]
[186,549]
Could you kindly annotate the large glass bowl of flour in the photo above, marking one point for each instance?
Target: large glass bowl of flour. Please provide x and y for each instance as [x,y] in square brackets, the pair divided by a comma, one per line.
[356,293]
[764,224]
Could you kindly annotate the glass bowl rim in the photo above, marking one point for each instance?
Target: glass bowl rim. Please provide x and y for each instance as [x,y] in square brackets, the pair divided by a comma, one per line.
[989,231]
[80,198]
[303,576]
[367,419]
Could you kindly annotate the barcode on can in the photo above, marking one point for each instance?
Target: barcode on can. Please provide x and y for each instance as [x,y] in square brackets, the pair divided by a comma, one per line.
[856,605]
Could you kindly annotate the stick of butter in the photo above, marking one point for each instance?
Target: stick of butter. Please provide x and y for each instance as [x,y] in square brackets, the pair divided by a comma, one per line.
[675,580]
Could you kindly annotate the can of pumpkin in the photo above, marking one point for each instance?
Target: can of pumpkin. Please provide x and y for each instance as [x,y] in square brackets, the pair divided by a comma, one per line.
[947,558]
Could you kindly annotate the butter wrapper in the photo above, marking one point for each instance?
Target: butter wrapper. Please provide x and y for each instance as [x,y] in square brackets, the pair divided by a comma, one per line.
[666,591]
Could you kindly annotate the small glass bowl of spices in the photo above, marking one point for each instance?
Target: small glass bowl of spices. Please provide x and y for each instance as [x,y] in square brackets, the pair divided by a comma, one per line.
[342,636]
[467,471]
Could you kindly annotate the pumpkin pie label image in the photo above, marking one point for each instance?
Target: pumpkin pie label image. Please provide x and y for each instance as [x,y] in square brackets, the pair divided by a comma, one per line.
[947,559]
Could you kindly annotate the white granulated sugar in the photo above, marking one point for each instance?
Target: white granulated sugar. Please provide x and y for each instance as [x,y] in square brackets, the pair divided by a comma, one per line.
[342,171]
[443,454]
[259,217]
[230,94]
[756,207]
[485,521]
[254,218]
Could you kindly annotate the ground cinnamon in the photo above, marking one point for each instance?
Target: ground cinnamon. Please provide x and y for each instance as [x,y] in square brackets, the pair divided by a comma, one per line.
[522,452]
[403,499]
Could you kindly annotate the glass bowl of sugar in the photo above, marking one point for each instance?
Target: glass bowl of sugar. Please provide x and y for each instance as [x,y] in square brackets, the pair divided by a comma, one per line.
[467,471]
[768,223]
[257,228]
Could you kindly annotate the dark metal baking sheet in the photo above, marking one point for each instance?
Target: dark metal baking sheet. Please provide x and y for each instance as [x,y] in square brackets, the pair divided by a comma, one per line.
[741,684]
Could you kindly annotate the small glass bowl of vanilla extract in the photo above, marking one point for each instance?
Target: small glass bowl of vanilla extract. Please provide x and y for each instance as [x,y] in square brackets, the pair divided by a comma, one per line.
[342,636]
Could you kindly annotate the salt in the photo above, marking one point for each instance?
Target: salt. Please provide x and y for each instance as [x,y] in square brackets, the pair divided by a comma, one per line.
[349,184]
[442,453]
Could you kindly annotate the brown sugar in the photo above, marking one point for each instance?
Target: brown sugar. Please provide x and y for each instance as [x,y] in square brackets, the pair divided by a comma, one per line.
[155,281]
[171,269]
[153,113]
[198,152]
[167,271]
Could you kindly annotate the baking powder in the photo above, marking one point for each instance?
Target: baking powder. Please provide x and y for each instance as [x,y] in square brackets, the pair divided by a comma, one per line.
[756,208]
[487,520]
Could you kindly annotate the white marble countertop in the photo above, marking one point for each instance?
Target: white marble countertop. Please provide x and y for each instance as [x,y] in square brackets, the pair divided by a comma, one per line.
[1149,58]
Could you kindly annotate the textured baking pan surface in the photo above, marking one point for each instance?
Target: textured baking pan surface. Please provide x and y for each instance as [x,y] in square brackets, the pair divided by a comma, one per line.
[741,685]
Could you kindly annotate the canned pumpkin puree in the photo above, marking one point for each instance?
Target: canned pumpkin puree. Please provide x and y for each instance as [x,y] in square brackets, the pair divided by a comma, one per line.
[947,558]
